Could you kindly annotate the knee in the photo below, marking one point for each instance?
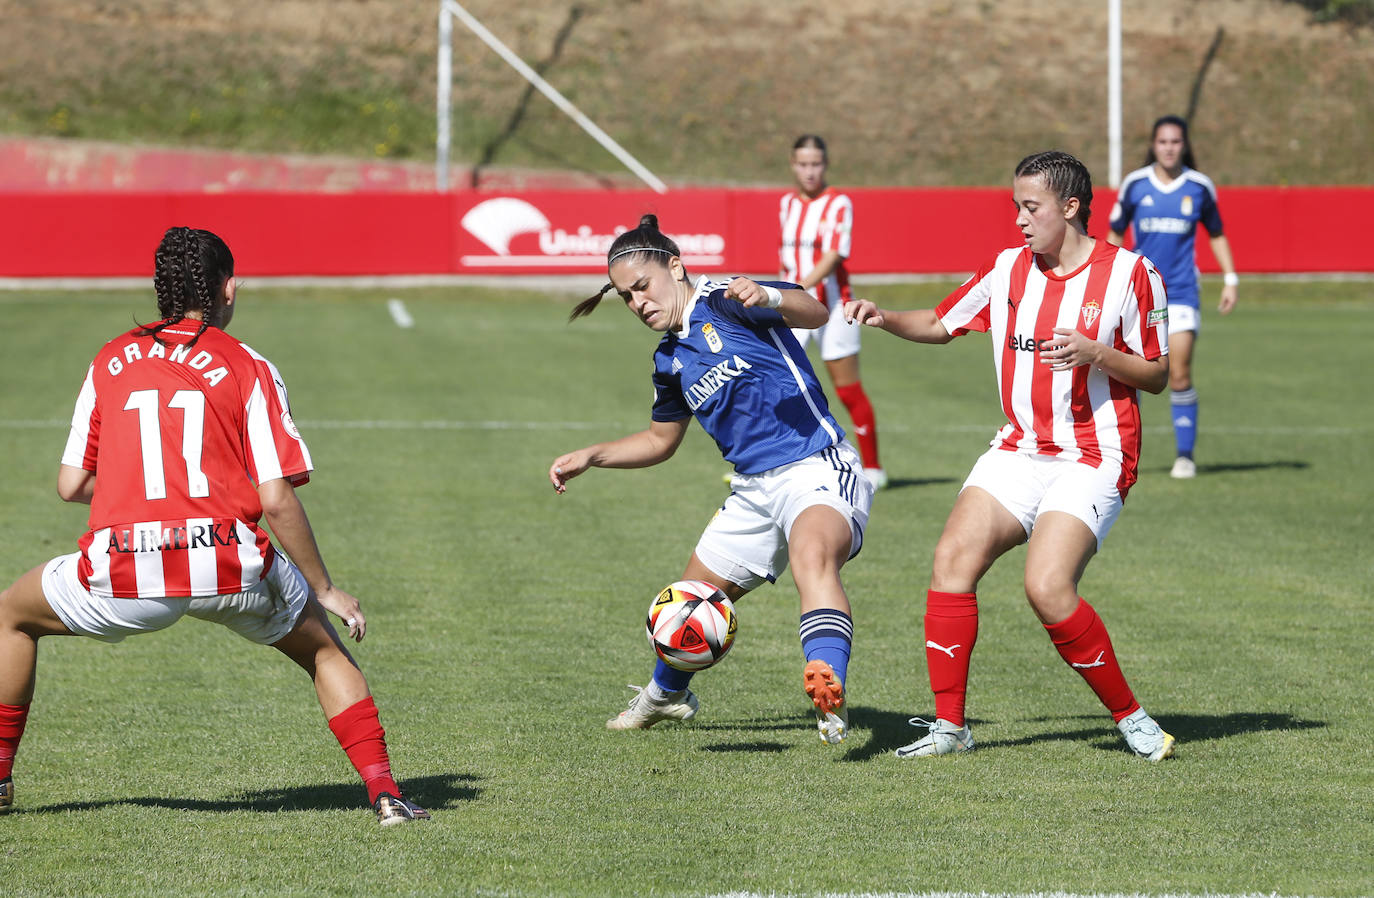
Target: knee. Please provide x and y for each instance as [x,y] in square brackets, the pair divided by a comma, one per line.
[1051,595]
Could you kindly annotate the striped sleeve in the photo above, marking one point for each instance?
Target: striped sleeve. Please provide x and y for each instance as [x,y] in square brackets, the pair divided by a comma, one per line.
[966,309]
[84,435]
[840,221]
[275,447]
[1144,314]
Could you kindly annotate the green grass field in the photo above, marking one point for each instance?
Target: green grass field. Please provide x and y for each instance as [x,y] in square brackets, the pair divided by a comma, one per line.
[505,621]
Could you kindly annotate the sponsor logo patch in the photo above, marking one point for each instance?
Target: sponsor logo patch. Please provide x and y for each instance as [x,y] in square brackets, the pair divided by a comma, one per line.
[1156,316]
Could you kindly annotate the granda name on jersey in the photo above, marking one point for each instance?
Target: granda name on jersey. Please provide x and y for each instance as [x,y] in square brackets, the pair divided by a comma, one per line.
[180,353]
[715,378]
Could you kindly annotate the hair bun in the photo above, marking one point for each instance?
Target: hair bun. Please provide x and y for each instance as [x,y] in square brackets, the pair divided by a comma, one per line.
[649,221]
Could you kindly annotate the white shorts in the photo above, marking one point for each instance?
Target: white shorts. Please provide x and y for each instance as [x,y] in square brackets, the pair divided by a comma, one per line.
[263,614]
[746,542]
[1030,485]
[1183,318]
[838,338]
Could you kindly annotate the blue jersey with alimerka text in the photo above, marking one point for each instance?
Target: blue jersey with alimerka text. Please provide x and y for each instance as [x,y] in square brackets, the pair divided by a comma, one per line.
[745,378]
[1166,217]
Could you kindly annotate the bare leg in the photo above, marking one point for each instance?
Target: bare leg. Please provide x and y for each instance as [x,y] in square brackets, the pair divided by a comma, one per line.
[315,646]
[25,615]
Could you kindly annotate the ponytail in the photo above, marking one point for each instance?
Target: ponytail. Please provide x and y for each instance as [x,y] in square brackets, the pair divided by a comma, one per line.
[640,244]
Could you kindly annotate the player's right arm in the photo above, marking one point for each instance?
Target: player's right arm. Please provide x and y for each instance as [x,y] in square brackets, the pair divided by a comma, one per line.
[638,450]
[916,325]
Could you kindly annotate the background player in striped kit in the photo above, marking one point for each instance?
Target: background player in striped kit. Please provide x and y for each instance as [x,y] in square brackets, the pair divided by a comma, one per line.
[182,439]
[728,358]
[817,223]
[1165,200]
[1078,329]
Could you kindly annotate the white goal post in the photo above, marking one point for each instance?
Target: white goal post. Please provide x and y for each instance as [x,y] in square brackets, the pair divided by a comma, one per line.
[448,9]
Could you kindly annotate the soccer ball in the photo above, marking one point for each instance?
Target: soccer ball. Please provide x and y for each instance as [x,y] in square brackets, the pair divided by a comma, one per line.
[691,625]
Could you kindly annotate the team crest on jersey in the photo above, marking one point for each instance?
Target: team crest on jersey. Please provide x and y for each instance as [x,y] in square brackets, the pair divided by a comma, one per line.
[1091,309]
[713,340]
[1187,206]
[289,424]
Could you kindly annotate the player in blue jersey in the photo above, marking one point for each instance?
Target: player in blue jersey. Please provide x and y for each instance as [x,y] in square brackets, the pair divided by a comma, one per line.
[729,359]
[1165,200]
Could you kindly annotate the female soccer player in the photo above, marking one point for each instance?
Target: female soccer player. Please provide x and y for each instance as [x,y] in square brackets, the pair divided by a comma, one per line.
[816,222]
[1165,200]
[728,358]
[182,439]
[1078,328]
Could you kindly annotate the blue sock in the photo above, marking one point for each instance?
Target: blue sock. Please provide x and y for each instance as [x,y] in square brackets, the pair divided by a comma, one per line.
[670,679]
[1184,407]
[826,634]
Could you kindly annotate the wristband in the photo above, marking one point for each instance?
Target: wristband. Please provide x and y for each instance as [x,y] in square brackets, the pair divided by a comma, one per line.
[774,297]
[1230,279]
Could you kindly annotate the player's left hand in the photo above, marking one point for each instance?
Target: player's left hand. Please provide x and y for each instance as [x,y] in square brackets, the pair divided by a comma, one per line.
[1068,349]
[348,608]
[1228,300]
[746,292]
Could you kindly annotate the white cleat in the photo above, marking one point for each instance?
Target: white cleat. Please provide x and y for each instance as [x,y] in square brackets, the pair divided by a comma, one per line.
[1145,737]
[1184,468]
[877,477]
[644,712]
[944,738]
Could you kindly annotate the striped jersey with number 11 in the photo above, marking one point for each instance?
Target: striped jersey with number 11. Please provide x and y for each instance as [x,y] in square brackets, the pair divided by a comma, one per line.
[1081,414]
[178,434]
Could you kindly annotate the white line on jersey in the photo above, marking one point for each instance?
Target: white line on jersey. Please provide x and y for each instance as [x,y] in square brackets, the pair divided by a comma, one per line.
[399,313]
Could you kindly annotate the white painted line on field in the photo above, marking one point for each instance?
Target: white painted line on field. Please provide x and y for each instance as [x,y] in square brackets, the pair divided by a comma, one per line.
[399,313]
[441,424]
[997,895]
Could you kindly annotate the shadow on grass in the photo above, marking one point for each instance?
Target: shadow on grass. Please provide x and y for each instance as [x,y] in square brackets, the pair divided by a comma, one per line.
[759,747]
[1243,467]
[899,483]
[1185,727]
[432,792]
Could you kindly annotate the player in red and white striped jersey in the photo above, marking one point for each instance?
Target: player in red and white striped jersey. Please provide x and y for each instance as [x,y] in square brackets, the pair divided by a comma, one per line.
[181,442]
[1079,327]
[817,223]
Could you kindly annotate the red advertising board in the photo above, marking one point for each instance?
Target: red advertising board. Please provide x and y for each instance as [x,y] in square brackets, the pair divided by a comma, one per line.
[896,230]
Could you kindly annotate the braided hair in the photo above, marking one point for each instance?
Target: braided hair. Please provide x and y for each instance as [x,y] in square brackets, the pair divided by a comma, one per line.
[638,245]
[1065,176]
[191,267]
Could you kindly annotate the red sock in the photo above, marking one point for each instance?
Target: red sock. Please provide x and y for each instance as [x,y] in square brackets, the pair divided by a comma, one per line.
[360,733]
[865,427]
[1082,641]
[12,720]
[951,630]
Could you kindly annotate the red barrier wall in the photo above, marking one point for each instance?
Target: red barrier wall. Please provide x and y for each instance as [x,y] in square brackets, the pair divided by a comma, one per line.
[1271,229]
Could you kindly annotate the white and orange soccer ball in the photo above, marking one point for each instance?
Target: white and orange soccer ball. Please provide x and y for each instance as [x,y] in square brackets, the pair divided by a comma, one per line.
[691,625]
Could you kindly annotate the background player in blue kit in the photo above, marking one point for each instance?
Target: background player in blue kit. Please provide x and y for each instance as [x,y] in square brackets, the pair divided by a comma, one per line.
[728,357]
[1165,200]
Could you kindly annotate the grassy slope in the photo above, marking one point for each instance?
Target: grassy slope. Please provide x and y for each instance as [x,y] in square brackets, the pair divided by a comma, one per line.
[504,621]
[927,92]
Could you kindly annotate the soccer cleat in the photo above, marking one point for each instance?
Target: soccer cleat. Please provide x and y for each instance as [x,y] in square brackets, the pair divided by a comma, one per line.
[6,794]
[827,693]
[392,810]
[1145,737]
[877,477]
[1184,468]
[944,738]
[644,712]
